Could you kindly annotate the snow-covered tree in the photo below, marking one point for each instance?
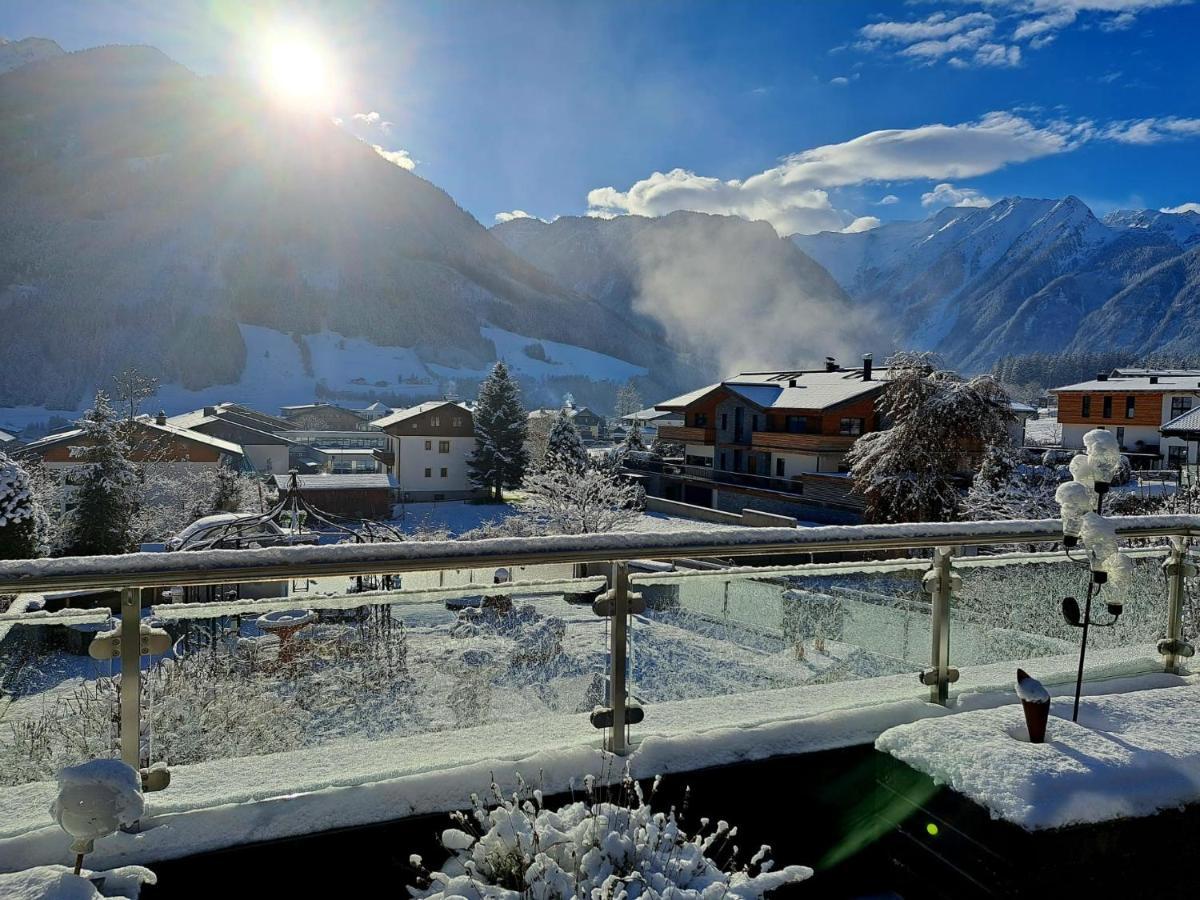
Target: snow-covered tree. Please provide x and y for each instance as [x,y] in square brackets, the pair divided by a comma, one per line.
[938,421]
[500,458]
[564,446]
[567,501]
[634,440]
[133,389]
[628,400]
[18,512]
[1006,488]
[666,449]
[171,499]
[107,486]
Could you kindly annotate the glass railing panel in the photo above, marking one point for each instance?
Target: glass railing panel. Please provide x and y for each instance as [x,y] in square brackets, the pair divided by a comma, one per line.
[733,644]
[58,705]
[1008,613]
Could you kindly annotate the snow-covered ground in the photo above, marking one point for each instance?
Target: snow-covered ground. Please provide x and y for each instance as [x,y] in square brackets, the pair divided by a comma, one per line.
[1129,755]
[1044,430]
[275,374]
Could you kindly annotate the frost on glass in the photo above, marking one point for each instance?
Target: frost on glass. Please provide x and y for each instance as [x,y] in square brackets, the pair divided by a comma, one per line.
[708,637]
[59,706]
[1013,613]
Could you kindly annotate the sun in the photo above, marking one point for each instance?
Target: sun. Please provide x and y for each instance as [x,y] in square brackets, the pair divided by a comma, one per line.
[295,69]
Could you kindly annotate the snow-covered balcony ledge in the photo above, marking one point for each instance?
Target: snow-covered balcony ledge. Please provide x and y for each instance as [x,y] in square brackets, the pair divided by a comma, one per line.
[725,664]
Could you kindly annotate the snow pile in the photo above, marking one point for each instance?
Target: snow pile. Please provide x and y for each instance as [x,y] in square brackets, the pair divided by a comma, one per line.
[1129,755]
[59,883]
[598,847]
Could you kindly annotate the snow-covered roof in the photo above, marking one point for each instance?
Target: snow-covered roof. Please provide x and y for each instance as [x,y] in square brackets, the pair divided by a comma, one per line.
[1189,421]
[1018,407]
[1169,373]
[51,440]
[401,415]
[649,414]
[818,389]
[1149,383]
[256,436]
[338,482]
[374,407]
[5,436]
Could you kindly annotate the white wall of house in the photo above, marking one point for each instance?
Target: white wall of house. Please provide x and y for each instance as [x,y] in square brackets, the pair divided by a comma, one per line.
[415,454]
[267,458]
[1072,435]
[703,451]
[794,463]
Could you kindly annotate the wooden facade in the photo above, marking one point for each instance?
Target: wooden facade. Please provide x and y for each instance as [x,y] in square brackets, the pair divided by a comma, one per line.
[1147,407]
[446,420]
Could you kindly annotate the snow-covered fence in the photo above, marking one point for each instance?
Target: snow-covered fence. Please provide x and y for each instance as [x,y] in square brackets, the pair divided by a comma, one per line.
[804,621]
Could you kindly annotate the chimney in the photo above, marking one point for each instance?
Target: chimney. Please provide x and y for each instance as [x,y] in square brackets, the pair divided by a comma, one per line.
[868,362]
[1154,379]
[161,418]
[791,382]
[210,410]
[1102,376]
[830,364]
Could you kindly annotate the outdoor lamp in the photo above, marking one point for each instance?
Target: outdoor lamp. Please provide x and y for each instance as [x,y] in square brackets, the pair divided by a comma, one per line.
[1104,454]
[1100,539]
[1120,575]
[1082,471]
[1075,501]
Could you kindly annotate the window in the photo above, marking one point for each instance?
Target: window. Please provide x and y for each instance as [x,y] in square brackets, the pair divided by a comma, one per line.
[724,421]
[754,423]
[445,472]
[851,426]
[456,422]
[700,420]
[724,466]
[435,421]
[429,445]
[443,446]
[429,473]
[1177,456]
[779,467]
[1085,408]
[1180,405]
[797,424]
[1108,407]
[1130,406]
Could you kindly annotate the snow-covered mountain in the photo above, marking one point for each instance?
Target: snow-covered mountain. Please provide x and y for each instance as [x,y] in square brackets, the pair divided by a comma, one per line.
[1023,275]
[26,50]
[147,216]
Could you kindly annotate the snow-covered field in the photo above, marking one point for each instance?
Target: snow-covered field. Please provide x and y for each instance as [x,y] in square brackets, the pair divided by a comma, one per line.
[1043,431]
[276,374]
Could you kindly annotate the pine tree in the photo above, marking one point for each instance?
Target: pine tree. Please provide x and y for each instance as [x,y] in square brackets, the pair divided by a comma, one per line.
[107,486]
[500,458]
[634,440]
[18,515]
[564,447]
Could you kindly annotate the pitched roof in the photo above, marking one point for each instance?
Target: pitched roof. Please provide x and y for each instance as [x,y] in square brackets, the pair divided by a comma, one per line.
[1133,385]
[185,434]
[401,415]
[818,389]
[1188,422]
[338,482]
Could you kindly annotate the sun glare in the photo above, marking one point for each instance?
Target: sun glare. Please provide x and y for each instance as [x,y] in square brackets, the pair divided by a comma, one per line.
[295,69]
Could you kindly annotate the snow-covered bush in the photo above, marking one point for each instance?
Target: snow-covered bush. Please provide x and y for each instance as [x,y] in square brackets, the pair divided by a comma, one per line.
[600,847]
[18,514]
[569,502]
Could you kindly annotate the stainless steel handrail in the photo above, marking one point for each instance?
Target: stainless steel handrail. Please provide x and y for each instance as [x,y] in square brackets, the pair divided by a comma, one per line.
[211,567]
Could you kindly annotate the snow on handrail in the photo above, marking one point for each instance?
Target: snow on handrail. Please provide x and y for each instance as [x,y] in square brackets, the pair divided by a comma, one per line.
[860,567]
[281,563]
[174,611]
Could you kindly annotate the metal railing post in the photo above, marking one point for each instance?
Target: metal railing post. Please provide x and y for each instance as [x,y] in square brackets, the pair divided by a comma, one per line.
[1176,567]
[939,584]
[131,676]
[618,655]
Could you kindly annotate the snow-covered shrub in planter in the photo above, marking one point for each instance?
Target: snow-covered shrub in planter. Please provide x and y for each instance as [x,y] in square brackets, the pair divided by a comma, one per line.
[599,847]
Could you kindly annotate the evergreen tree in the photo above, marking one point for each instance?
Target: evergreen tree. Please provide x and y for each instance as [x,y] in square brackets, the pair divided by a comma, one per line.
[634,440]
[18,513]
[908,472]
[107,486]
[564,447]
[500,458]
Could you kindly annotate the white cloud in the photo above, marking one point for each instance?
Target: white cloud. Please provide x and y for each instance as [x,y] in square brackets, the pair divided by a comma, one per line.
[793,196]
[373,120]
[840,80]
[946,194]
[1182,208]
[515,214]
[862,223]
[887,200]
[397,157]
[1150,131]
[988,35]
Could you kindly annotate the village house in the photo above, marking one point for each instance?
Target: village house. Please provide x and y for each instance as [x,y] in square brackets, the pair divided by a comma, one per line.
[1144,408]
[327,417]
[427,450]
[266,449]
[359,496]
[588,423]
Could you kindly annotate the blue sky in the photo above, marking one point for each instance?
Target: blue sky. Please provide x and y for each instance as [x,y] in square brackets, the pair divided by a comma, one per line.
[810,115]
